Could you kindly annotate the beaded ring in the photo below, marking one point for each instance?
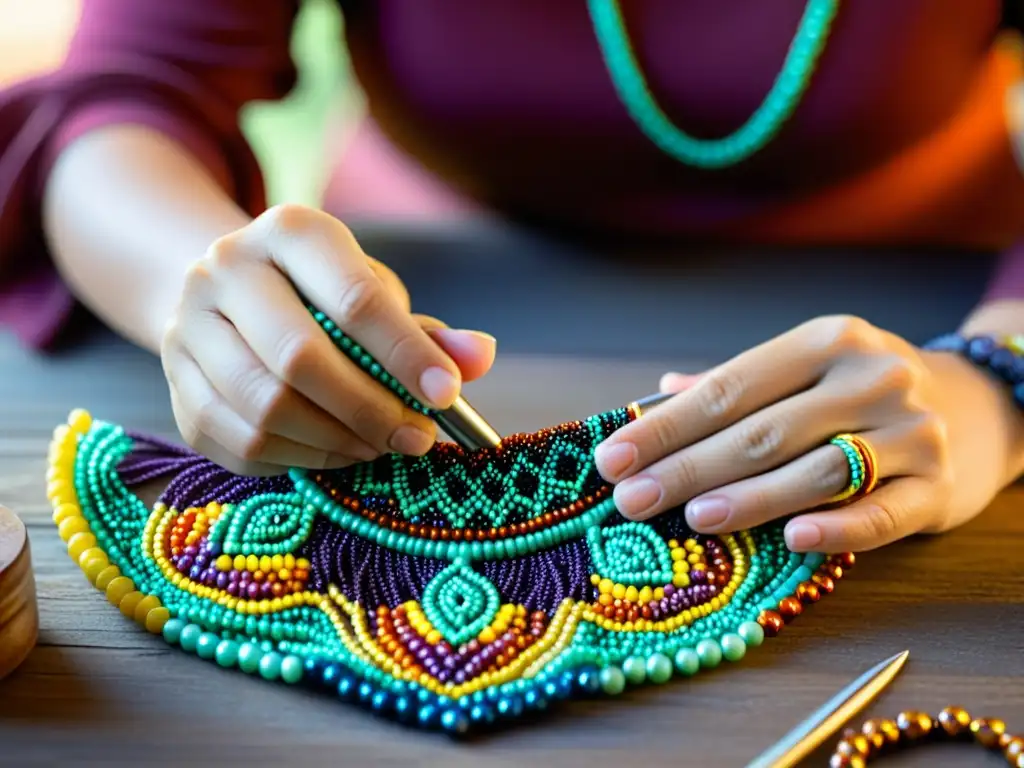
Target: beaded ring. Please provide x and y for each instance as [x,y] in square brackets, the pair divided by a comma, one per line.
[863,463]
[881,737]
[452,591]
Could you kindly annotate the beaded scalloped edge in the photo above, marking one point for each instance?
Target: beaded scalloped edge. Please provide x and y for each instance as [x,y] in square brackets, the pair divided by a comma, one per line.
[563,671]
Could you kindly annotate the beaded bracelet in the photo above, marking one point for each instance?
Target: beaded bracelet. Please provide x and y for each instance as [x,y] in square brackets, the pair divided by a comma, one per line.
[881,736]
[1002,356]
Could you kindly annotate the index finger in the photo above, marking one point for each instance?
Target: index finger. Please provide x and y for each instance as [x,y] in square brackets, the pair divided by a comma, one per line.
[326,263]
[759,377]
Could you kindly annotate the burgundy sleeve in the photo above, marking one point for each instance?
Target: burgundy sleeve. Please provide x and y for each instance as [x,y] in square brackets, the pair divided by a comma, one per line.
[184,67]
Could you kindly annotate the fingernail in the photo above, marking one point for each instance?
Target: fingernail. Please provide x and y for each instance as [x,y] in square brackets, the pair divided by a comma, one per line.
[410,441]
[615,460]
[802,536]
[707,513]
[363,452]
[439,386]
[634,497]
[453,334]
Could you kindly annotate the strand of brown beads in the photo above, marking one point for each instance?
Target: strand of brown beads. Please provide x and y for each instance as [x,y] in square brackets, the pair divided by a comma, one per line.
[880,737]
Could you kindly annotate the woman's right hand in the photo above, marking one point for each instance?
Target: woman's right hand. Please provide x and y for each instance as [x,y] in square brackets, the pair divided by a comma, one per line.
[257,386]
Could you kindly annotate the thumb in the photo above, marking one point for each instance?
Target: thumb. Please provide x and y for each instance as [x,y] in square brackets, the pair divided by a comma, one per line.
[673,383]
[472,351]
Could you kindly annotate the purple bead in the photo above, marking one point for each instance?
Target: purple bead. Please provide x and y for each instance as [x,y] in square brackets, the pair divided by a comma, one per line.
[213,547]
[232,588]
[222,580]
[253,590]
[192,550]
[185,563]
[670,590]
[460,676]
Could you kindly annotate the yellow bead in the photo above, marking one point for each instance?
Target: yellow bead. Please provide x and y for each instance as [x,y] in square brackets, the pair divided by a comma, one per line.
[80,542]
[93,555]
[680,566]
[79,420]
[487,635]
[60,432]
[106,576]
[239,562]
[71,526]
[64,511]
[128,602]
[619,591]
[680,580]
[659,593]
[277,562]
[302,563]
[673,543]
[156,619]
[694,558]
[118,588]
[93,567]
[265,563]
[252,563]
[645,595]
[224,563]
[595,579]
[144,606]
[433,637]
[289,560]
[605,585]
[632,593]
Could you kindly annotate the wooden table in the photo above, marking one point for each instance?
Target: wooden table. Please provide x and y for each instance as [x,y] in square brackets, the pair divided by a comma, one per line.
[97,690]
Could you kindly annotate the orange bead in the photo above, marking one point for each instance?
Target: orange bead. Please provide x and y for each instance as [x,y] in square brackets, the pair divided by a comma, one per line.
[771,622]
[790,608]
[914,725]
[987,731]
[955,721]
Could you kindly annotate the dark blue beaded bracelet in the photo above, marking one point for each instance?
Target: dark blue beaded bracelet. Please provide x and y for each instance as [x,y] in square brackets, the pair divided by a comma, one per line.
[1003,357]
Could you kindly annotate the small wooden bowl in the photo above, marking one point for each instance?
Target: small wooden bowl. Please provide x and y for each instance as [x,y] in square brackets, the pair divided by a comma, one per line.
[19,615]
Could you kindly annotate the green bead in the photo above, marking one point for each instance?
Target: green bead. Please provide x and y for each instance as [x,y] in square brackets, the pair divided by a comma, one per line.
[270,666]
[190,637]
[659,668]
[172,630]
[206,646]
[687,662]
[635,670]
[249,655]
[710,653]
[613,681]
[751,632]
[733,647]
[226,653]
[291,669]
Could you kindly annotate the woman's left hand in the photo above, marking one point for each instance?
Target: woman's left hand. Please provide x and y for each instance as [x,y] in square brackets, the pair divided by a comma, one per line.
[748,441]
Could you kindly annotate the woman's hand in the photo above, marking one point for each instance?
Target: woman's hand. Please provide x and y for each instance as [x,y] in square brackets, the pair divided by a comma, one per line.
[257,385]
[747,442]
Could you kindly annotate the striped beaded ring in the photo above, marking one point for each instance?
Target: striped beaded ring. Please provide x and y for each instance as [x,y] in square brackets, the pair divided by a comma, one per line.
[863,464]
[452,591]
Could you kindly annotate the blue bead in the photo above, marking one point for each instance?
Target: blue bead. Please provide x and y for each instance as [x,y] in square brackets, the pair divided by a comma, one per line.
[533,700]
[510,706]
[980,349]
[1002,363]
[1017,372]
[425,696]
[588,681]
[330,674]
[381,701]
[366,691]
[454,721]
[1018,395]
[346,687]
[428,716]
[403,708]
[481,713]
[550,689]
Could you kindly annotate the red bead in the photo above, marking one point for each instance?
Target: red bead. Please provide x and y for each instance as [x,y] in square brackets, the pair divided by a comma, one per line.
[825,582]
[807,592]
[790,608]
[771,622]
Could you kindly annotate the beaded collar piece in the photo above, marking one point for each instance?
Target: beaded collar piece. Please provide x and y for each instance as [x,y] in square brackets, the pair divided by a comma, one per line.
[453,591]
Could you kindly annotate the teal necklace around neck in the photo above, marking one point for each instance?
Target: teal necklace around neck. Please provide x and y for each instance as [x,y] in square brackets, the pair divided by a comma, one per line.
[756,132]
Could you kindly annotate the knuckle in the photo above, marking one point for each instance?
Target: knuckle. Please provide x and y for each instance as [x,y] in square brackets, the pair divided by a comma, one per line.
[882,521]
[296,353]
[271,400]
[832,473]
[369,421]
[253,446]
[684,472]
[899,375]
[718,393]
[224,253]
[932,438]
[760,438]
[359,300]
[288,218]
[844,334]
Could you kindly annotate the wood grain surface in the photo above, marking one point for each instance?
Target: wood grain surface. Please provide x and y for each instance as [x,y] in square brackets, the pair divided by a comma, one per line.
[97,690]
[19,615]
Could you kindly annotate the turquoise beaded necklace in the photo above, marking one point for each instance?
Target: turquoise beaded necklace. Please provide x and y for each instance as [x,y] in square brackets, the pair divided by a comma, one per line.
[756,132]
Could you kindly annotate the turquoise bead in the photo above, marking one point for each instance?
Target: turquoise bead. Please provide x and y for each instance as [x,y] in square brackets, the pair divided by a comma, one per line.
[751,632]
[613,681]
[733,647]
[206,646]
[190,637]
[291,669]
[659,668]
[249,655]
[635,670]
[226,653]
[270,666]
[687,662]
[172,630]
[710,653]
